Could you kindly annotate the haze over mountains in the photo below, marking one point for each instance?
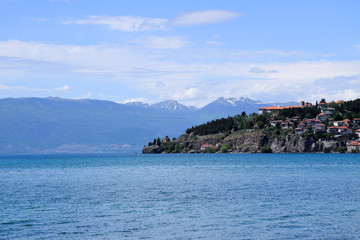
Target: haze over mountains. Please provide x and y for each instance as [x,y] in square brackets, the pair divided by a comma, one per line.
[55,125]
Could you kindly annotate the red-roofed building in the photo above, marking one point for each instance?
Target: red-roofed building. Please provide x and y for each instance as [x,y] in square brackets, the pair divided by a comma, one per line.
[311,122]
[287,125]
[347,122]
[264,110]
[322,105]
[344,130]
[356,121]
[353,145]
[274,123]
[332,130]
[295,119]
[328,111]
[207,145]
[302,125]
[319,128]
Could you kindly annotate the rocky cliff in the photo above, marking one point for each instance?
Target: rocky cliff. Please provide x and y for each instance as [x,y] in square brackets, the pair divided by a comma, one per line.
[243,141]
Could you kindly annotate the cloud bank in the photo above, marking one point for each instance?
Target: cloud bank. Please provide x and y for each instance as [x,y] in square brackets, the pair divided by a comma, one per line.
[105,69]
[136,23]
[124,23]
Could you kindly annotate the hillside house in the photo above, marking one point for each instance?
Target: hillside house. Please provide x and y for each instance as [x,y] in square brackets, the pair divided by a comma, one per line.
[319,128]
[312,122]
[287,125]
[353,145]
[295,119]
[299,130]
[321,117]
[208,145]
[323,105]
[356,121]
[357,132]
[301,125]
[339,123]
[347,122]
[322,126]
[273,109]
[344,130]
[265,110]
[333,130]
[275,123]
[328,111]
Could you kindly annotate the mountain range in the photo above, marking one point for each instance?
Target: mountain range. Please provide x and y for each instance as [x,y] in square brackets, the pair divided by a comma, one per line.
[56,125]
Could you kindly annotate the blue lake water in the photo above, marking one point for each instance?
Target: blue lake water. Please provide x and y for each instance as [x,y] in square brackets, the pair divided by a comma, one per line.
[219,196]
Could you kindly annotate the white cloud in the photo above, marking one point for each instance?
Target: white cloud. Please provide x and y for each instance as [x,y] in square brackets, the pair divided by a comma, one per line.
[186,94]
[204,17]
[97,56]
[259,70]
[111,68]
[63,88]
[124,23]
[21,88]
[132,100]
[163,42]
[137,23]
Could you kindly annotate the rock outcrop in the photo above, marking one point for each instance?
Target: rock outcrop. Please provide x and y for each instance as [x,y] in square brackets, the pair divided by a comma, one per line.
[153,149]
[251,141]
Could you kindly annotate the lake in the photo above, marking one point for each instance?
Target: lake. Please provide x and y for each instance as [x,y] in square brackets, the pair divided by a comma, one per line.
[184,196]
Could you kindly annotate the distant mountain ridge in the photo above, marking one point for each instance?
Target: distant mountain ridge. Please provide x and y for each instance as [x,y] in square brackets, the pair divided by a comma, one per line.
[230,104]
[57,125]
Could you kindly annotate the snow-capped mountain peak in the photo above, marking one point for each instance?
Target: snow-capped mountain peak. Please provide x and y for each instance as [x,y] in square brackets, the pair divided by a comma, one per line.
[232,101]
[172,106]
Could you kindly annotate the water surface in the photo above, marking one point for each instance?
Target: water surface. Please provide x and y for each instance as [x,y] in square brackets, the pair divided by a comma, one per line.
[201,196]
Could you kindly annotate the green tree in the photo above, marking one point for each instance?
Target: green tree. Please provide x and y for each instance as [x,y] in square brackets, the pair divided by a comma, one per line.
[266,150]
[210,150]
[158,141]
[260,124]
[337,117]
[341,149]
[224,148]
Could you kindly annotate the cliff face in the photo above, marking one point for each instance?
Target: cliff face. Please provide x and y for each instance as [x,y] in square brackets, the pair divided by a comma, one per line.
[252,142]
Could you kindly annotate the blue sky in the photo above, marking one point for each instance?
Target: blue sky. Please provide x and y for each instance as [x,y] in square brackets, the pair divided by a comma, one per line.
[190,51]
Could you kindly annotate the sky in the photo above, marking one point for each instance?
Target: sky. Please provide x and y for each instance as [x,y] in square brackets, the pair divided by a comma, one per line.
[190,51]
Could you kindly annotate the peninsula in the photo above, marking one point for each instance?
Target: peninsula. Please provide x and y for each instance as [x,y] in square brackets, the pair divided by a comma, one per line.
[324,127]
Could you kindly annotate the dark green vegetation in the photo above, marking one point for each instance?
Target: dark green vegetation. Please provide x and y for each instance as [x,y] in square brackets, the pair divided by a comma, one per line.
[348,110]
[342,149]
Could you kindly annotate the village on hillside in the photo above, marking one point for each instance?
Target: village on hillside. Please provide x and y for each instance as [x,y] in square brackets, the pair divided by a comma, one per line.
[324,122]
